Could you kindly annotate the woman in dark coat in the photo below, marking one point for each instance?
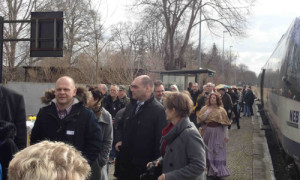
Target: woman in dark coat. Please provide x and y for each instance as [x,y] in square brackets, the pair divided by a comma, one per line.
[182,148]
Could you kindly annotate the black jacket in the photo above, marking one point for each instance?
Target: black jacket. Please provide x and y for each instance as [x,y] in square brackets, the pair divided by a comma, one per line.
[113,107]
[249,98]
[79,128]
[234,97]
[227,102]
[195,96]
[12,109]
[140,134]
[7,145]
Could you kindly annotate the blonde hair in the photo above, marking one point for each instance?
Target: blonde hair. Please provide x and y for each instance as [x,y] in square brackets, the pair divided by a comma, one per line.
[48,161]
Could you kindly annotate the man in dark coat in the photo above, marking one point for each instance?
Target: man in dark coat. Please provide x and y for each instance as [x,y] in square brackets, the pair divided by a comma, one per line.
[226,100]
[234,97]
[68,120]
[13,117]
[248,102]
[12,109]
[195,92]
[123,94]
[139,131]
[113,104]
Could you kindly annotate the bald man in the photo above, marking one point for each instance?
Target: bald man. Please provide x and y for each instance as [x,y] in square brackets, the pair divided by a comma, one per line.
[68,120]
[139,131]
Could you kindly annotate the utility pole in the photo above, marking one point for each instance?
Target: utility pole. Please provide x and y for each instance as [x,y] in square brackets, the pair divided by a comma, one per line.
[223,59]
[230,55]
[199,55]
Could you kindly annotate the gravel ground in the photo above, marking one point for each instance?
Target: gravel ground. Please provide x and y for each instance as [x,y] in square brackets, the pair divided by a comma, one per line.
[240,150]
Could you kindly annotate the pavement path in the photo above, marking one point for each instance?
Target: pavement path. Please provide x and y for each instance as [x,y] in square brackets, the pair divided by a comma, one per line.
[240,150]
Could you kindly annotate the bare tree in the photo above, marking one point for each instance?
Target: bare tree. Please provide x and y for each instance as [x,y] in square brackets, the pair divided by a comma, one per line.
[77,21]
[179,17]
[97,41]
[16,53]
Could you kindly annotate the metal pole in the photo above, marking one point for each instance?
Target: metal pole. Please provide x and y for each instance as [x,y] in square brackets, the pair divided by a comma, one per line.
[1,46]
[199,55]
[230,55]
[54,34]
[37,33]
[223,59]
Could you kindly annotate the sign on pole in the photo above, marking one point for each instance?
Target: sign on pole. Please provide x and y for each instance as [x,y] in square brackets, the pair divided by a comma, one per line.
[46,34]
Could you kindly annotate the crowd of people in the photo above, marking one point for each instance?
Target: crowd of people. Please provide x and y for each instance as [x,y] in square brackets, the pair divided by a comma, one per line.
[141,129]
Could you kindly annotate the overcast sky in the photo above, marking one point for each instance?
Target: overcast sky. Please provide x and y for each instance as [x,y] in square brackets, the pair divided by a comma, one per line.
[269,21]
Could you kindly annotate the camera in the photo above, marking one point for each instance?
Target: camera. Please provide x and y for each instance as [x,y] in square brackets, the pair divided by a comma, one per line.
[152,172]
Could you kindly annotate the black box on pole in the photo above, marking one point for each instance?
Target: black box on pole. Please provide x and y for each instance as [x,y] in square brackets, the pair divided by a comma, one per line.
[46,35]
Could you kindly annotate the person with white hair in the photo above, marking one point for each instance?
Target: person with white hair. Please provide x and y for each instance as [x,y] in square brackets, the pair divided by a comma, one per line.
[210,87]
[174,88]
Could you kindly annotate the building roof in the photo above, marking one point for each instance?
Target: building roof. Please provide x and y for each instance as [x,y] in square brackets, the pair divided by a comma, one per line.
[186,71]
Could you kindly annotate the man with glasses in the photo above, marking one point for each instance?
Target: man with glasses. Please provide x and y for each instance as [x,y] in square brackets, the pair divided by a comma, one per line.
[113,105]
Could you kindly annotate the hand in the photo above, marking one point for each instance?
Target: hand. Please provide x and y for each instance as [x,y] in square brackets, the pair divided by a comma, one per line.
[148,164]
[156,163]
[209,110]
[118,145]
[162,177]
[226,139]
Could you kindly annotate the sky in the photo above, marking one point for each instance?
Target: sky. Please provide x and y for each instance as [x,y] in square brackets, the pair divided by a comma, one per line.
[269,21]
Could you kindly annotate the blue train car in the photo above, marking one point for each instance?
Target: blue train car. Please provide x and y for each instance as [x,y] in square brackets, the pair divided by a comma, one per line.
[280,91]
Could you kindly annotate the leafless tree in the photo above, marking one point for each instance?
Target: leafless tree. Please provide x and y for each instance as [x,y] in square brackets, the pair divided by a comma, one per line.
[179,17]
[77,22]
[15,53]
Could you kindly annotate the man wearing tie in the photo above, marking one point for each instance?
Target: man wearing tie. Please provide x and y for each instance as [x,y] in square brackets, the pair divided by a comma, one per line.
[138,136]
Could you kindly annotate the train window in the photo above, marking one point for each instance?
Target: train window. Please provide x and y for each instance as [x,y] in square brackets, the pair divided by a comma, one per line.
[283,67]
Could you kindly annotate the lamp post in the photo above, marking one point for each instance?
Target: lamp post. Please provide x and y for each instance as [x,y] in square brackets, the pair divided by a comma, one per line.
[234,66]
[230,55]
[223,59]
[199,55]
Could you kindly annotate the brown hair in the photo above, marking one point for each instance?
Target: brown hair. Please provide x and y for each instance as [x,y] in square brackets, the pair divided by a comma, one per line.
[218,99]
[96,93]
[181,102]
[158,83]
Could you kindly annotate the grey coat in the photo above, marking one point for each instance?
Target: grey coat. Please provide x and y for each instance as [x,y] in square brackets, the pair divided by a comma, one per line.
[184,154]
[99,169]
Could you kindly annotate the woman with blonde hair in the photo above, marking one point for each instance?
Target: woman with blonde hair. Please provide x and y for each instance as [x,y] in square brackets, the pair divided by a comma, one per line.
[174,88]
[213,120]
[48,161]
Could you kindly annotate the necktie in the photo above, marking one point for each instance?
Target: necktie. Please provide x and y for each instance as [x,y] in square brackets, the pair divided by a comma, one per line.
[138,107]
